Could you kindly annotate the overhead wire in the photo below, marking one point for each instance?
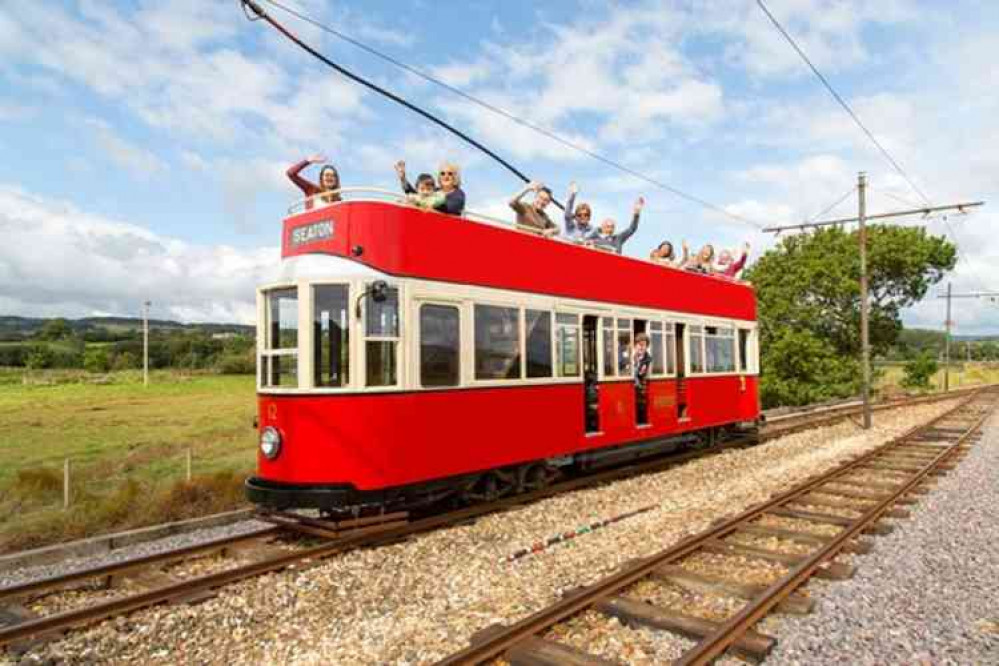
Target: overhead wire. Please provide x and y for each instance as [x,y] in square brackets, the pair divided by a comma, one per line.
[506,114]
[832,205]
[846,107]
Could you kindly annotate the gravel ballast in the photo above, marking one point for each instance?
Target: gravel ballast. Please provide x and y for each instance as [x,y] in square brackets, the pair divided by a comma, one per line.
[417,601]
[927,594]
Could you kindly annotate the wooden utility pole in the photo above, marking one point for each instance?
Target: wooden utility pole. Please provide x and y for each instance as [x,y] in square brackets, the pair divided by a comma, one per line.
[862,218]
[865,347]
[947,343]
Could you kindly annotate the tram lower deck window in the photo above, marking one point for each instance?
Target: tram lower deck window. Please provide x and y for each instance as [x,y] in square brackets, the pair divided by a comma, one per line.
[279,359]
[440,345]
[331,337]
[381,347]
[497,342]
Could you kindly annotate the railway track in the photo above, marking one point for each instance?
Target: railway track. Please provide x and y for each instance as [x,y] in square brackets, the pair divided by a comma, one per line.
[817,520]
[136,583]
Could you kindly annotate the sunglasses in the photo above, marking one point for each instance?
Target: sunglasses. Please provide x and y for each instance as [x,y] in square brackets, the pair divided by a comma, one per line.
[447,173]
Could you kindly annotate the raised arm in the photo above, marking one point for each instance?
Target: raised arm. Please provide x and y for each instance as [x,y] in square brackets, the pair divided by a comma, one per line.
[570,218]
[400,170]
[307,186]
[515,200]
[633,227]
[686,254]
[736,266]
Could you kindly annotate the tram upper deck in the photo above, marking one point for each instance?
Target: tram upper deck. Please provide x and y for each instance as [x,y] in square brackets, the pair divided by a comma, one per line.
[375,229]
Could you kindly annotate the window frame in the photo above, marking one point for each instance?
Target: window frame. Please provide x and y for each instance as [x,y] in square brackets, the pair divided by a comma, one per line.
[266,354]
[457,306]
[360,380]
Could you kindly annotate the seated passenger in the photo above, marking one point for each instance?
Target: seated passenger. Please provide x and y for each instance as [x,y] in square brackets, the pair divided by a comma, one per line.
[606,238]
[577,221]
[427,195]
[533,216]
[642,360]
[701,262]
[665,254]
[450,184]
[730,267]
[328,189]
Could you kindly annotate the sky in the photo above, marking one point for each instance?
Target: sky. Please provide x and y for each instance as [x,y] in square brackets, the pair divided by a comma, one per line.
[145,143]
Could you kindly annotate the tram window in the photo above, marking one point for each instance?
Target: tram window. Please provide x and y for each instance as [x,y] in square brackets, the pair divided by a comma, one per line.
[282,371]
[567,344]
[743,350]
[282,307]
[382,318]
[440,345]
[656,347]
[623,347]
[670,341]
[696,338]
[381,326]
[497,342]
[331,348]
[719,346]
[538,327]
[610,367]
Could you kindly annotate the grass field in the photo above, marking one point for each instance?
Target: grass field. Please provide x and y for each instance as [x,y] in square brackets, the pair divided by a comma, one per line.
[961,374]
[127,445]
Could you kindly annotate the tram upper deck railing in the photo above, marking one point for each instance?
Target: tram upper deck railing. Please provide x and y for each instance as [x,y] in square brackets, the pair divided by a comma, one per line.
[374,194]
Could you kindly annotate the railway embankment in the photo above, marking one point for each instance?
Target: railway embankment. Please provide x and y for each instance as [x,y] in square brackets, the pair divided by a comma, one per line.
[422,599]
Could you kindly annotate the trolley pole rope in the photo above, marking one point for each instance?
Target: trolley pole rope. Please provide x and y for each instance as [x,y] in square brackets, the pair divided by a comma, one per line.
[262,14]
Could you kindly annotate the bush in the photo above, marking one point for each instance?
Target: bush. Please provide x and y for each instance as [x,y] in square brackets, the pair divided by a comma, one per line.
[39,357]
[125,361]
[96,360]
[918,371]
[14,356]
[238,364]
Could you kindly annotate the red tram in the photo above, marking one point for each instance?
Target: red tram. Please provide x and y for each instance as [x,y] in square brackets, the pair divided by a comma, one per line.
[409,355]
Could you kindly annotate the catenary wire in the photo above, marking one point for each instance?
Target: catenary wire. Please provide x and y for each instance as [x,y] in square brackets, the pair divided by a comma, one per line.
[832,205]
[842,102]
[509,116]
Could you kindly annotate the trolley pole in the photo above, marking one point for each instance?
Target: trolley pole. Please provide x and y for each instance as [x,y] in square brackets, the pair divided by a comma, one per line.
[865,348]
[947,342]
[145,342]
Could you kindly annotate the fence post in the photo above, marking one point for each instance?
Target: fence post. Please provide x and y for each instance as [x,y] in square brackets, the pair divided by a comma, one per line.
[65,484]
[189,464]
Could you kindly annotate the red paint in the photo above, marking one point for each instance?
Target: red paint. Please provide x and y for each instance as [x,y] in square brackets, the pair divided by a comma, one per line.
[382,440]
[408,242]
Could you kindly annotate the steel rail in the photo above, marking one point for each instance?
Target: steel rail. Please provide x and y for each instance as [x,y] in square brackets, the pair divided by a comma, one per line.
[725,635]
[494,645]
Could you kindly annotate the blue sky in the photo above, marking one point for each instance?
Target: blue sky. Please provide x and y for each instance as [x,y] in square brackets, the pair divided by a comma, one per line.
[145,142]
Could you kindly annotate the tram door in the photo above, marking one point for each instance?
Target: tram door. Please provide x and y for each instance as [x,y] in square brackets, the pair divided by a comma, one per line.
[591,390]
[681,372]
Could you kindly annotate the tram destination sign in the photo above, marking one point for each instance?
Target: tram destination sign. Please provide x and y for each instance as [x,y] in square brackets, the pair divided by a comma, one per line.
[311,233]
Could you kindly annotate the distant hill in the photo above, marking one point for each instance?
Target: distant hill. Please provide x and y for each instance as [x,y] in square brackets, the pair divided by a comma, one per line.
[20,328]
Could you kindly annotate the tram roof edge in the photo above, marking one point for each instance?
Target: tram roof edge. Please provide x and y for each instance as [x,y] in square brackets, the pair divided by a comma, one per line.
[404,241]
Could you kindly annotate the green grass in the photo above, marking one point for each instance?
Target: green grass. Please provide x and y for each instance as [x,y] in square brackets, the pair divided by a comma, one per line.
[962,374]
[127,445]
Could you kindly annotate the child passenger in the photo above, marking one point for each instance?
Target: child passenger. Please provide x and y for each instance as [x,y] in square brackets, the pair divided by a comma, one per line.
[427,195]
[642,359]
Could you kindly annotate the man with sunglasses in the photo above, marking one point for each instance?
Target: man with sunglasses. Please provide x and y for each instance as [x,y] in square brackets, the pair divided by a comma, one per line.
[577,220]
[533,217]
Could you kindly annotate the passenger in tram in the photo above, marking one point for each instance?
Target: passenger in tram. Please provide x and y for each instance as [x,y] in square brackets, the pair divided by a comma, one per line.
[533,216]
[605,237]
[323,194]
[666,255]
[427,195]
[577,220]
[702,261]
[729,267]
[642,359]
[449,180]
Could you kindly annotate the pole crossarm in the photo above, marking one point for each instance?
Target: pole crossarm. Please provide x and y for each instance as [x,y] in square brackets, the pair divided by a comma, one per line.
[959,207]
[972,294]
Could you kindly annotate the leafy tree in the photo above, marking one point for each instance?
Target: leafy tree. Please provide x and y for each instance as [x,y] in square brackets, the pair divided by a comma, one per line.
[55,329]
[918,371]
[126,361]
[40,356]
[809,304]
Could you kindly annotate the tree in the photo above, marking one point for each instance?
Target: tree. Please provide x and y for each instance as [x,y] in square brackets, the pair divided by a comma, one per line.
[809,304]
[55,329]
[918,371]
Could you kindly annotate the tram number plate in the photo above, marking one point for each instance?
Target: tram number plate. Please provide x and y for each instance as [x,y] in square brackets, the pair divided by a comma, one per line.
[311,233]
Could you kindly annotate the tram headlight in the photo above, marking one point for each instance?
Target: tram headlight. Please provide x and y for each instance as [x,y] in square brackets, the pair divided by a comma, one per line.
[270,442]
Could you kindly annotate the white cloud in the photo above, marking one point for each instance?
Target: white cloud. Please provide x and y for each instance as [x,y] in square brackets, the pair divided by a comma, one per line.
[140,162]
[57,259]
